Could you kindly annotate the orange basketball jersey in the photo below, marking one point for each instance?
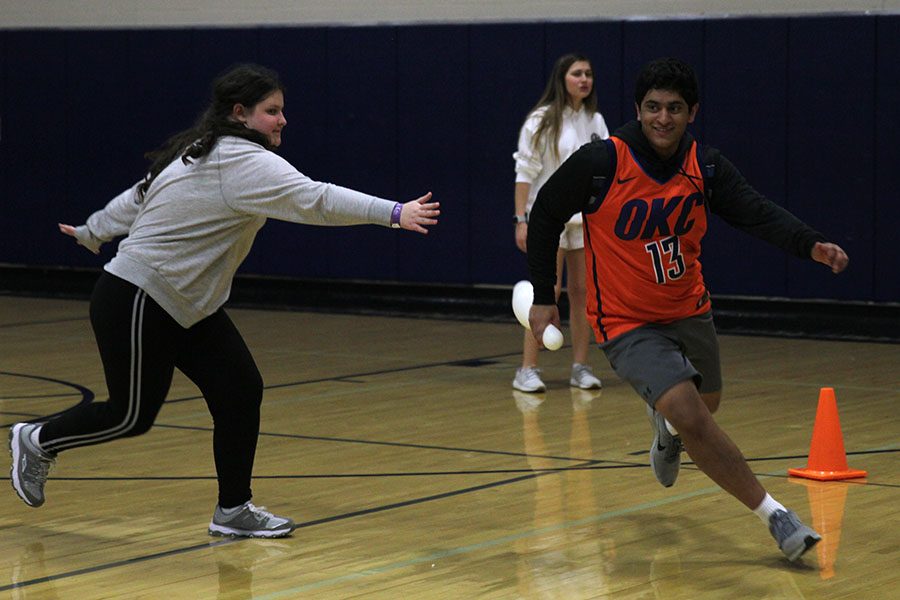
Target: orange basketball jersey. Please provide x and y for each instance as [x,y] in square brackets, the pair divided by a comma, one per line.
[642,246]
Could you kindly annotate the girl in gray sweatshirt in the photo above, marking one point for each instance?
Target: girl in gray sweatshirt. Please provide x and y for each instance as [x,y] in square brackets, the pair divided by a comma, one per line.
[158,304]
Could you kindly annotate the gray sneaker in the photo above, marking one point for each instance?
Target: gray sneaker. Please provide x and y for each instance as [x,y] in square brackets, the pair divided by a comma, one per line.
[583,377]
[250,521]
[793,537]
[665,452]
[30,464]
[528,379]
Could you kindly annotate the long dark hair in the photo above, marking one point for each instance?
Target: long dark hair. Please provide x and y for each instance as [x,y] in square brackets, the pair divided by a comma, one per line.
[246,84]
[555,99]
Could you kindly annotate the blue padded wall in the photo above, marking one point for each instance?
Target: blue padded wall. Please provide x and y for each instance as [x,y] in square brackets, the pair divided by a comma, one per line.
[744,101]
[361,88]
[34,147]
[99,115]
[830,146]
[400,110]
[299,55]
[602,43]
[886,214]
[644,41]
[506,65]
[164,98]
[434,149]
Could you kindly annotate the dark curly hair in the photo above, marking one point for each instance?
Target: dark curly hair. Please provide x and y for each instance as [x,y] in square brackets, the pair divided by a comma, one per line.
[669,74]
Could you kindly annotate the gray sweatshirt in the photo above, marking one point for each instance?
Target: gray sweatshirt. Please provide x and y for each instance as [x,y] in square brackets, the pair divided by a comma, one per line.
[198,221]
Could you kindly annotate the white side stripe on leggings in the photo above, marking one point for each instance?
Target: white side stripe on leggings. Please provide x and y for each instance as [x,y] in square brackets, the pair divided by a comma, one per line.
[134,387]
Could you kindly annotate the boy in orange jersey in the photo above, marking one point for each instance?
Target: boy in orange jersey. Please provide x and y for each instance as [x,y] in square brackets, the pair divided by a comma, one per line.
[645,204]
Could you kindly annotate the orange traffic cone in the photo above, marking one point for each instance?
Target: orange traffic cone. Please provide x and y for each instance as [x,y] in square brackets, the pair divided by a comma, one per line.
[827,459]
[826,503]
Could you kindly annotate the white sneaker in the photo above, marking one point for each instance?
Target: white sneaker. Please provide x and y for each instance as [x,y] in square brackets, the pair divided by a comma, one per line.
[528,379]
[583,377]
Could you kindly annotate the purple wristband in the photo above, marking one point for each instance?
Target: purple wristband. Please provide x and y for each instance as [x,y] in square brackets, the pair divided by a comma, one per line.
[395,215]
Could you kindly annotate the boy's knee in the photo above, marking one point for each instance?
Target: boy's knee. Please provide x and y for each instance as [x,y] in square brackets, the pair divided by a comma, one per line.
[711,400]
[684,408]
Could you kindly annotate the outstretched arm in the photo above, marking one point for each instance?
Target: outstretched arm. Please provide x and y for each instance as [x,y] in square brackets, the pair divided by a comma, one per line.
[73,231]
[112,221]
[736,201]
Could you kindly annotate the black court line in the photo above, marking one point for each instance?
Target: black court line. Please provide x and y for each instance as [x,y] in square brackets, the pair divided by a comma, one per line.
[793,456]
[319,438]
[37,396]
[445,363]
[112,565]
[441,496]
[301,525]
[860,481]
[590,464]
[51,322]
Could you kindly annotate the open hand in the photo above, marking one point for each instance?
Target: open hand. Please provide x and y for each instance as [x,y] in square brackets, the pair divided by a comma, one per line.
[70,230]
[418,213]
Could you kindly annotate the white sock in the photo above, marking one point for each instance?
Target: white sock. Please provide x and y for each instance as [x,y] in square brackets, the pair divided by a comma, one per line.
[670,428]
[768,506]
[34,437]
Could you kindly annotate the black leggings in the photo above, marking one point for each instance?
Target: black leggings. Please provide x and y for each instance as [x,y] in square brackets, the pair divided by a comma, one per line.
[141,345]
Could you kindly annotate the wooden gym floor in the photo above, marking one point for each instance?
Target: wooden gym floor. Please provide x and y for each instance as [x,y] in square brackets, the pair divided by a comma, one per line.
[415,471]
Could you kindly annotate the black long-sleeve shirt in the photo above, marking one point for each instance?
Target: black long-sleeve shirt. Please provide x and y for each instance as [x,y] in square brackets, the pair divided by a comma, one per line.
[733,199]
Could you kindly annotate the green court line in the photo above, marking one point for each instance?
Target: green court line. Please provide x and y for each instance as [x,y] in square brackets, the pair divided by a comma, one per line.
[436,556]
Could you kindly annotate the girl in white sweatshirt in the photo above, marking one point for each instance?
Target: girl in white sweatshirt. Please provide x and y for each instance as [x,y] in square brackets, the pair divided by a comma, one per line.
[565,118]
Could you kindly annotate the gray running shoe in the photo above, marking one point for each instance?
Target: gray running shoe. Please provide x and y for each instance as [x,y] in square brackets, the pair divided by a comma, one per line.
[665,452]
[793,537]
[250,521]
[583,377]
[528,379]
[30,464]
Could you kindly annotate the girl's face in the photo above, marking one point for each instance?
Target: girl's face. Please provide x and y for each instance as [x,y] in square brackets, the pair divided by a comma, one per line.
[579,82]
[266,116]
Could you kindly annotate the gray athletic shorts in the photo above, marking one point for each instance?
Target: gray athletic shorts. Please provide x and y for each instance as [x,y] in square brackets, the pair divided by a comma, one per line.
[654,357]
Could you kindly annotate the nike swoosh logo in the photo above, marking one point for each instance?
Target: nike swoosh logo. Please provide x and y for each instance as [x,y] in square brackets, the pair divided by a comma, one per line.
[626,180]
[660,448]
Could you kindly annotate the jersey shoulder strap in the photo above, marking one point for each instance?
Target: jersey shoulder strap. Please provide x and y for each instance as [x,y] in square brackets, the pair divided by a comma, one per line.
[707,157]
[600,183]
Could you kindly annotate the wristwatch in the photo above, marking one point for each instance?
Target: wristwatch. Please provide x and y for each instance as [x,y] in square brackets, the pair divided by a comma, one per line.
[520,219]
